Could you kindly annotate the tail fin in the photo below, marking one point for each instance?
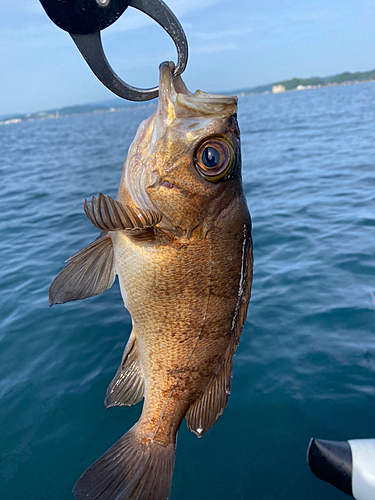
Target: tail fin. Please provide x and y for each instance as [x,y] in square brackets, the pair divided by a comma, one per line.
[129,470]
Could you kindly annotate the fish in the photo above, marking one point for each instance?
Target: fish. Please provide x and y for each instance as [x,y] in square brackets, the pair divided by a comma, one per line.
[178,236]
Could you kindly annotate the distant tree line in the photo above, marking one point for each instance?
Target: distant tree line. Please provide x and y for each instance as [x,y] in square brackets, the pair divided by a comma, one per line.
[360,76]
[341,78]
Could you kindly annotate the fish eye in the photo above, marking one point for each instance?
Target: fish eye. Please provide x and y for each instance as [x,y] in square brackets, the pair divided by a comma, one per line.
[214,158]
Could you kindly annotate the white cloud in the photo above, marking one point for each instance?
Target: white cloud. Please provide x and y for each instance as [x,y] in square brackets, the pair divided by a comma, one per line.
[33,8]
[182,7]
[217,47]
[133,19]
[308,16]
[221,34]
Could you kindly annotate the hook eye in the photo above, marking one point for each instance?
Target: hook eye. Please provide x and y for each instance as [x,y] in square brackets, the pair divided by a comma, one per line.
[85,25]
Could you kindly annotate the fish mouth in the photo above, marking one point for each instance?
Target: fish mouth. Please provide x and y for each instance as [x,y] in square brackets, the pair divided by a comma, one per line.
[162,182]
[170,84]
[176,101]
[168,185]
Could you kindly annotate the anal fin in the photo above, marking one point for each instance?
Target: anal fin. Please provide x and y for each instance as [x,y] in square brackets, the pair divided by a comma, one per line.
[127,386]
[204,412]
[88,272]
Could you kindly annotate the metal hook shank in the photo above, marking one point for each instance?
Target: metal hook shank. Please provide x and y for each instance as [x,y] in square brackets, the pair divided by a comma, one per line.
[90,46]
[163,15]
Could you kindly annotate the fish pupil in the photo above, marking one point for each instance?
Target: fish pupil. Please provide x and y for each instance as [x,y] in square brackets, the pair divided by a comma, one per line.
[210,157]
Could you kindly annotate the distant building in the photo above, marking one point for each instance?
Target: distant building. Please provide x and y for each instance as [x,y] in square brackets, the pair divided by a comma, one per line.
[11,120]
[276,89]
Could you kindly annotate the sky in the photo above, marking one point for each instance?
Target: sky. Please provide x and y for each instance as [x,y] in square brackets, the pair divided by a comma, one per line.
[233,45]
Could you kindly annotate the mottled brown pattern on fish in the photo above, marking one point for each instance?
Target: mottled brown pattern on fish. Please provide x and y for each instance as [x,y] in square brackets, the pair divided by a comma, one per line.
[179,238]
[182,298]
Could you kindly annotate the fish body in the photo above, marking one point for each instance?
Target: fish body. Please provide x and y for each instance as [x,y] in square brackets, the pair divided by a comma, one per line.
[179,238]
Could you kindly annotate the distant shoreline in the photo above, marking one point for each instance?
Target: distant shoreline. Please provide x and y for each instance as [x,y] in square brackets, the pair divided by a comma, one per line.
[277,90]
[89,109]
[313,82]
[118,104]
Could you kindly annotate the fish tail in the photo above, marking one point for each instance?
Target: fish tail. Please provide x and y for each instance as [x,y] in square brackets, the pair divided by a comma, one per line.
[134,468]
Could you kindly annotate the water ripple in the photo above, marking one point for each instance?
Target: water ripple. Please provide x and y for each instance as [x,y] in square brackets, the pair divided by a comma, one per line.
[306,362]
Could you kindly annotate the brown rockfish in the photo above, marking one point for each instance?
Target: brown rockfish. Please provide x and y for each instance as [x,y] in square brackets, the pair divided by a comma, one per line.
[178,236]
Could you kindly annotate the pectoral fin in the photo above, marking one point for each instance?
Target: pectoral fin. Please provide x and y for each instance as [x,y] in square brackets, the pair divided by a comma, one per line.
[108,214]
[88,272]
[202,414]
[127,386]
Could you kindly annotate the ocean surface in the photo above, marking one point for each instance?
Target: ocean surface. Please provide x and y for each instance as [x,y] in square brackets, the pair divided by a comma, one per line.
[305,366]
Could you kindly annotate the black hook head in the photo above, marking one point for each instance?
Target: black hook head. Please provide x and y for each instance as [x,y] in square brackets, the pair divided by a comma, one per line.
[84,16]
[84,20]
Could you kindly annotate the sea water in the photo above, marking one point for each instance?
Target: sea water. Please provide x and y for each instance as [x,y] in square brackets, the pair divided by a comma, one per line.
[305,366]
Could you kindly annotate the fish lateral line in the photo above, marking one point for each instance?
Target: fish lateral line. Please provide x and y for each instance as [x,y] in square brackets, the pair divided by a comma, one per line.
[242,278]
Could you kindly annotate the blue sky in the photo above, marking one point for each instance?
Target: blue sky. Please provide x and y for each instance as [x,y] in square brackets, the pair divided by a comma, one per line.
[233,44]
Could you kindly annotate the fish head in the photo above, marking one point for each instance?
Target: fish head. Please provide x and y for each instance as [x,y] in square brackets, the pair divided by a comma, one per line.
[185,160]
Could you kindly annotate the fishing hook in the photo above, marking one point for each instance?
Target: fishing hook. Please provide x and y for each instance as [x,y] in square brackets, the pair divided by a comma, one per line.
[84,20]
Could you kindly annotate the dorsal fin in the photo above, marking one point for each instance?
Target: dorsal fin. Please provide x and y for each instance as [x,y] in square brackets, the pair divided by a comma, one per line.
[127,386]
[108,214]
[88,272]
